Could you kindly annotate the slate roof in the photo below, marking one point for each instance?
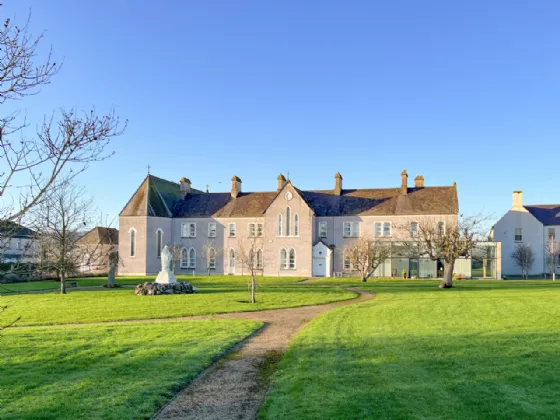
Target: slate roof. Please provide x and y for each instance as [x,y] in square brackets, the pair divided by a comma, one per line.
[547,214]
[14,230]
[158,197]
[101,235]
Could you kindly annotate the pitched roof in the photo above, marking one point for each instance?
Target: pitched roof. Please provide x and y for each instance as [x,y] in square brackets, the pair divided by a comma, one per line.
[101,235]
[14,230]
[162,198]
[547,214]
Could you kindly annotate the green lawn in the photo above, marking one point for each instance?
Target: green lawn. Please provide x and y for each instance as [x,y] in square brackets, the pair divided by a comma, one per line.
[133,280]
[106,372]
[486,349]
[122,304]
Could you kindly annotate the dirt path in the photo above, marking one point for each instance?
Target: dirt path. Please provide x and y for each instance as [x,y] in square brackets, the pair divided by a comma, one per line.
[235,387]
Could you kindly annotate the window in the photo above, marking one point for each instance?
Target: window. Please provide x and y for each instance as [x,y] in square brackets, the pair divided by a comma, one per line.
[232,230]
[287,221]
[552,234]
[322,229]
[192,258]
[255,229]
[159,240]
[518,235]
[292,259]
[296,224]
[184,258]
[383,229]
[440,228]
[132,238]
[347,263]
[279,231]
[18,243]
[211,230]
[414,229]
[351,229]
[283,259]
[259,259]
[211,258]
[188,230]
[387,229]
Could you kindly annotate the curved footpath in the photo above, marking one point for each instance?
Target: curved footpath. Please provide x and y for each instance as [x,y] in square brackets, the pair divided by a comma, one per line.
[235,386]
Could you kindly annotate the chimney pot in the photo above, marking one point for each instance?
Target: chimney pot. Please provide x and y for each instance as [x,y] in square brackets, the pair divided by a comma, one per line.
[419,181]
[338,184]
[281,181]
[404,183]
[517,200]
[185,186]
[235,186]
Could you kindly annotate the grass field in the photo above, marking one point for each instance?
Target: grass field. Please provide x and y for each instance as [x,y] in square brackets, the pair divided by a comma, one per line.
[122,304]
[133,280]
[486,349]
[106,372]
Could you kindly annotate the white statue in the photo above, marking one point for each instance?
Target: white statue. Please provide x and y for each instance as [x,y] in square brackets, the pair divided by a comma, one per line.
[166,276]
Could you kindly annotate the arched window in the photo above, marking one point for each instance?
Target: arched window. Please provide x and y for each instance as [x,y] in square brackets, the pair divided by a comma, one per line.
[211,258]
[283,259]
[287,221]
[296,224]
[259,262]
[132,233]
[159,241]
[279,225]
[232,261]
[292,259]
[184,258]
[192,258]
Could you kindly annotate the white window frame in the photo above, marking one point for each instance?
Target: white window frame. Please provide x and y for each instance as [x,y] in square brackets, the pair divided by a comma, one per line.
[191,261]
[159,247]
[354,228]
[279,228]
[283,264]
[259,260]
[550,231]
[288,221]
[414,233]
[188,230]
[390,229]
[212,229]
[260,230]
[346,258]
[295,259]
[296,224]
[230,230]
[344,226]
[321,225]
[437,227]
[131,248]
[211,259]
[378,229]
[252,228]
[515,235]
[184,263]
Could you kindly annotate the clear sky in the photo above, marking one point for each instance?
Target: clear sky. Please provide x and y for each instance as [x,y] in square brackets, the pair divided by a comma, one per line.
[457,91]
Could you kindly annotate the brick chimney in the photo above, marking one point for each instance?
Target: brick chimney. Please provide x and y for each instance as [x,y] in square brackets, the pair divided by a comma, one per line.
[404,184]
[281,181]
[235,186]
[517,200]
[419,181]
[185,186]
[338,184]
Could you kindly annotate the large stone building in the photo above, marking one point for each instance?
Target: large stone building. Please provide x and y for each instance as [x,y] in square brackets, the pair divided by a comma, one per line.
[299,233]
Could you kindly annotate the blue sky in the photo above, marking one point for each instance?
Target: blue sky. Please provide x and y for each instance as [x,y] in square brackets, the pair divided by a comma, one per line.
[463,92]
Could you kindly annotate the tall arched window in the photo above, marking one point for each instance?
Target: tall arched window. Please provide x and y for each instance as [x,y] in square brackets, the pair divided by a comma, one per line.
[132,238]
[159,241]
[296,224]
[192,258]
[232,261]
[292,259]
[283,259]
[288,221]
[279,225]
[211,258]
[184,258]
[259,262]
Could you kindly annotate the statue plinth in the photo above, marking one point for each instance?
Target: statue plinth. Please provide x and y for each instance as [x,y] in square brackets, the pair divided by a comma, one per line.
[166,276]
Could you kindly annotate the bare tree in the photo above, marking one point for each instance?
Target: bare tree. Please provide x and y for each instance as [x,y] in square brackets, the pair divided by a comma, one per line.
[59,220]
[523,256]
[445,242]
[211,251]
[552,252]
[365,255]
[175,250]
[250,253]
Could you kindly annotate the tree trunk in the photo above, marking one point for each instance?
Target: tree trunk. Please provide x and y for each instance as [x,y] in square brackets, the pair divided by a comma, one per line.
[111,275]
[364,277]
[62,283]
[447,281]
[253,285]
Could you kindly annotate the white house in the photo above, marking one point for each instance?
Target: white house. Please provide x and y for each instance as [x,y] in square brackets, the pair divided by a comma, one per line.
[534,225]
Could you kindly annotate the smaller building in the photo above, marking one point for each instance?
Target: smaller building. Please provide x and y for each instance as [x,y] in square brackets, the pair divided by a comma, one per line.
[96,246]
[534,225]
[16,243]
